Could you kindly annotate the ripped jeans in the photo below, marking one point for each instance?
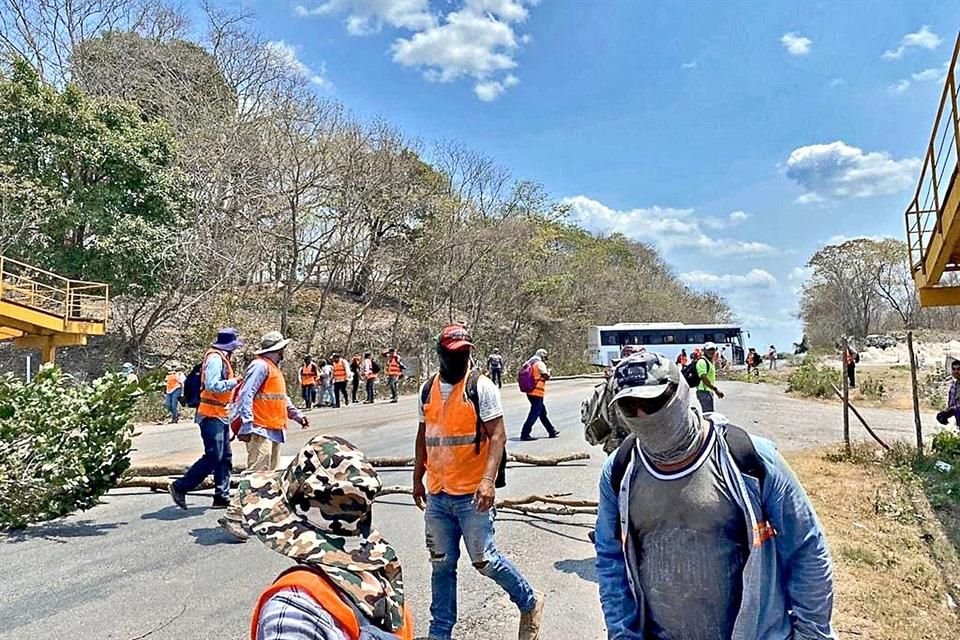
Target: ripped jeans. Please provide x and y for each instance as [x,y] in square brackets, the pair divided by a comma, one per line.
[448,519]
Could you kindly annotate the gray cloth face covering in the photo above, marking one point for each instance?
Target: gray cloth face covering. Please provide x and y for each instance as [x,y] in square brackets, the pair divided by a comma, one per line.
[670,435]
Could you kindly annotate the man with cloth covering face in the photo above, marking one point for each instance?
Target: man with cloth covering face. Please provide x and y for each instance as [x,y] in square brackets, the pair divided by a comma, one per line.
[460,441]
[719,539]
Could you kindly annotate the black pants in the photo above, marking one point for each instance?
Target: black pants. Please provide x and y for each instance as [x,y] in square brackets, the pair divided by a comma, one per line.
[497,376]
[370,382]
[338,389]
[852,374]
[356,386]
[538,410]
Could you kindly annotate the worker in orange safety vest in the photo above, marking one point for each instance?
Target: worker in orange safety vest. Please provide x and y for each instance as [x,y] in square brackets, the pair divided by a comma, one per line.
[173,390]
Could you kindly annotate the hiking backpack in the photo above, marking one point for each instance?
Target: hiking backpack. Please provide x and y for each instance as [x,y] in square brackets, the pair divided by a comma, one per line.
[191,388]
[690,374]
[525,378]
[374,367]
[474,396]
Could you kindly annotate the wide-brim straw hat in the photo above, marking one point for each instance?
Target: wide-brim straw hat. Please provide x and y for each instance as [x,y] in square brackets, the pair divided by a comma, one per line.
[272,341]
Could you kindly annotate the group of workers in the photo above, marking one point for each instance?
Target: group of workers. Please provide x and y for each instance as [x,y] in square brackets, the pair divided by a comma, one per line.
[332,378]
[702,530]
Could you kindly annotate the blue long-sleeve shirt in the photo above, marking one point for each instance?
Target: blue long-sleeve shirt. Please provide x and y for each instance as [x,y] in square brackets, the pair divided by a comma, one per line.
[253,378]
[215,380]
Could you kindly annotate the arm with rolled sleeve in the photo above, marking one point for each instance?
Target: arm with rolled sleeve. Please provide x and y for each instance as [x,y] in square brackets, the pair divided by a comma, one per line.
[292,412]
[802,553]
[213,379]
[253,379]
[616,597]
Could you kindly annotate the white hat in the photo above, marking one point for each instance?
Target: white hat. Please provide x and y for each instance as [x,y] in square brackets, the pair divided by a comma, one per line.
[272,341]
[709,345]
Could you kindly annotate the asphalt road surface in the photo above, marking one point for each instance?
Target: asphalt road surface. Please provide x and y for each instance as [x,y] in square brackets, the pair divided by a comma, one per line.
[137,565]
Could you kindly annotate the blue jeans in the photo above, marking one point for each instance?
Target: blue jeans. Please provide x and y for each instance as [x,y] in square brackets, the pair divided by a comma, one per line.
[172,401]
[327,396]
[448,519]
[706,400]
[217,459]
[392,383]
[538,410]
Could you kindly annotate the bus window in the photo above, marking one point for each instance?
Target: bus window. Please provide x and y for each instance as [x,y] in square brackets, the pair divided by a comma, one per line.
[668,339]
[610,338]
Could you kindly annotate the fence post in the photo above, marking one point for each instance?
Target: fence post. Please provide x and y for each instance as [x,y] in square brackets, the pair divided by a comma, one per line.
[846,395]
[916,395]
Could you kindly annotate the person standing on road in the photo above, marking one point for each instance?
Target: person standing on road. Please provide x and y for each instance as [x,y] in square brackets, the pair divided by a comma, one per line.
[953,397]
[395,368]
[495,368]
[851,358]
[340,375]
[326,384]
[348,582]
[217,383]
[308,382]
[538,410]
[460,441]
[772,358]
[263,407]
[703,531]
[356,372]
[173,390]
[370,371]
[753,362]
[707,372]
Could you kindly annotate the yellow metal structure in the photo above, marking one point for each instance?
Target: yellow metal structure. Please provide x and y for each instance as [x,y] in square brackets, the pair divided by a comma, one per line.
[933,217]
[41,310]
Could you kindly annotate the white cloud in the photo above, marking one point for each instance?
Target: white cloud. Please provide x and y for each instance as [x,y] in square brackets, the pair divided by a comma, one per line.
[837,82]
[689,65]
[286,54]
[928,75]
[899,87]
[738,216]
[368,16]
[476,41]
[733,219]
[796,44]
[753,279]
[800,274]
[666,228]
[838,170]
[922,39]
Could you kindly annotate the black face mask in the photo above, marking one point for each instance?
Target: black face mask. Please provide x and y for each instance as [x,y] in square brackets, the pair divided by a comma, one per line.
[453,365]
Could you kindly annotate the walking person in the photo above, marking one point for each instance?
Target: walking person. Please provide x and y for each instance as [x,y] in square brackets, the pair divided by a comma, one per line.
[356,371]
[703,531]
[395,368]
[326,384]
[370,371]
[707,373]
[173,391]
[753,362]
[308,382]
[495,368]
[340,375]
[263,407]
[460,442]
[217,383]
[348,582]
[538,411]
[851,358]
[772,358]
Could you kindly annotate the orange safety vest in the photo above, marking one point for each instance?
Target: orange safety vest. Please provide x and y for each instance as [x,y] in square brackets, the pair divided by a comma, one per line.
[393,367]
[454,466]
[214,405]
[541,389]
[308,374]
[340,371]
[270,400]
[320,589]
[173,382]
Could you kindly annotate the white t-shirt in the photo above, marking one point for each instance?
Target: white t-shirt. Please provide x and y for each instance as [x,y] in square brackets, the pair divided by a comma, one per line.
[487,393]
[326,372]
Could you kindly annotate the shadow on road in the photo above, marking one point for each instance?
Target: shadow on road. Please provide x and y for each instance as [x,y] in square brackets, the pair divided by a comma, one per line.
[547,525]
[173,512]
[212,536]
[585,568]
[62,531]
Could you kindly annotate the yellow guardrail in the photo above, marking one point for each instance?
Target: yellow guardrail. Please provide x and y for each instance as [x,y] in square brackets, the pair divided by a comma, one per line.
[924,215]
[47,292]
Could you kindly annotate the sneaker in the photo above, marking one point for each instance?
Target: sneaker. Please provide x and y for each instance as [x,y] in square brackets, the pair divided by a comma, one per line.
[553,434]
[179,497]
[233,528]
[527,438]
[220,503]
[531,620]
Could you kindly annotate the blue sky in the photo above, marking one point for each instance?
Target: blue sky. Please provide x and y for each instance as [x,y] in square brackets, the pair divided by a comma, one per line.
[736,136]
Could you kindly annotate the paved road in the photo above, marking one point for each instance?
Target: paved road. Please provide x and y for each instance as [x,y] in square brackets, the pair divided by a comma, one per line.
[136,564]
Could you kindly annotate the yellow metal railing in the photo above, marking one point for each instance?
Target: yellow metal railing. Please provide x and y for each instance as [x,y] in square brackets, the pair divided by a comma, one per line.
[924,215]
[40,290]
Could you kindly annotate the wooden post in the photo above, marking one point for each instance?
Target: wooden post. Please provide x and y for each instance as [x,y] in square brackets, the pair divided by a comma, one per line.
[916,395]
[846,395]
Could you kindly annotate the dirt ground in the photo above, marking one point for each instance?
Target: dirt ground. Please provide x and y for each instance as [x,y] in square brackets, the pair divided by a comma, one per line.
[893,561]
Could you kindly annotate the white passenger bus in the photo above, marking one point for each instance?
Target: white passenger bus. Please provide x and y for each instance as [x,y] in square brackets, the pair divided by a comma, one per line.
[604,342]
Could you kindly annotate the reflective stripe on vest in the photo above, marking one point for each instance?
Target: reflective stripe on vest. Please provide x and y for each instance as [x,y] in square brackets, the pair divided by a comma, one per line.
[339,371]
[214,405]
[270,401]
[318,588]
[173,382]
[540,390]
[453,464]
[393,367]
[308,375]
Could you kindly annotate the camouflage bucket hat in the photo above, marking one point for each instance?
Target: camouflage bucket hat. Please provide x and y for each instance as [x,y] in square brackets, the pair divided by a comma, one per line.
[318,512]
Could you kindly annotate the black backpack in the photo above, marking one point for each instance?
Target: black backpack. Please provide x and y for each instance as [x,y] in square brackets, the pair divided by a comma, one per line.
[474,396]
[690,374]
[374,367]
[191,388]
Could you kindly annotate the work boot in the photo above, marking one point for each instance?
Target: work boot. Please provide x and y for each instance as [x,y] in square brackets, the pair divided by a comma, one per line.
[179,497]
[234,528]
[531,620]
